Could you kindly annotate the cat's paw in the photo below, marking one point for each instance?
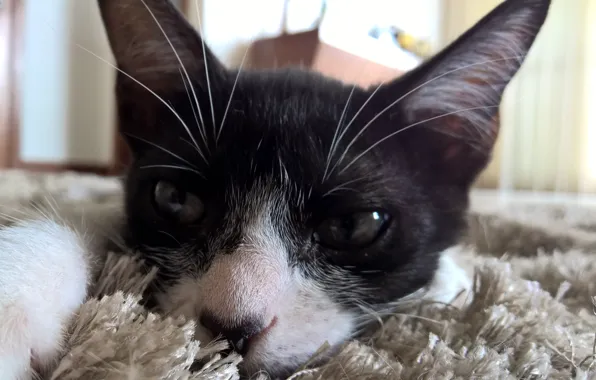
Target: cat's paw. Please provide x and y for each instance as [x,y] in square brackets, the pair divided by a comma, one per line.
[43,280]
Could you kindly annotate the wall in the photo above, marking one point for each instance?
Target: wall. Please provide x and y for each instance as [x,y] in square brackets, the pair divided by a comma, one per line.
[67,112]
[588,132]
[229,26]
[67,109]
[91,126]
[44,90]
[66,94]
[229,33]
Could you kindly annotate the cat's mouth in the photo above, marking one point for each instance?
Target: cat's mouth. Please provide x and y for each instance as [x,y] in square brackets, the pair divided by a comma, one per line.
[244,345]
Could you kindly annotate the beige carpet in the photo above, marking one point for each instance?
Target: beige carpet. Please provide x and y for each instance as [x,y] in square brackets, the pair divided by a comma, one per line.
[530,315]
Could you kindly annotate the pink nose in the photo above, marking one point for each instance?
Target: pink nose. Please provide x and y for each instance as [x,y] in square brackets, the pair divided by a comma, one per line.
[239,335]
[240,291]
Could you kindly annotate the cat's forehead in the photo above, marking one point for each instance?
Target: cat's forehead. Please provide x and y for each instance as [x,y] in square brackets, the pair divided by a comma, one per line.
[271,121]
[291,96]
[271,130]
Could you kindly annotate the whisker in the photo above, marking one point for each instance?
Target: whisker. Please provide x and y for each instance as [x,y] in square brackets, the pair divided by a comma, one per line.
[171,236]
[5,217]
[142,85]
[408,127]
[179,61]
[200,126]
[347,183]
[231,95]
[205,60]
[339,188]
[414,90]
[174,167]
[343,186]
[163,149]
[352,121]
[335,134]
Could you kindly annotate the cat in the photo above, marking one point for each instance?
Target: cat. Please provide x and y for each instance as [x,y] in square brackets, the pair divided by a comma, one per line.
[280,206]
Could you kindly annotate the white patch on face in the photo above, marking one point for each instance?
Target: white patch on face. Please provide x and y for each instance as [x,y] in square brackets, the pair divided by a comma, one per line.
[246,283]
[306,318]
[256,280]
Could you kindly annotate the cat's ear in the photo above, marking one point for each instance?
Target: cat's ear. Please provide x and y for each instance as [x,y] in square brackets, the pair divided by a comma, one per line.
[151,41]
[450,103]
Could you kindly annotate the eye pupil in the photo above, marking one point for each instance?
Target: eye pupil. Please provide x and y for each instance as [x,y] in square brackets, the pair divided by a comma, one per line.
[176,198]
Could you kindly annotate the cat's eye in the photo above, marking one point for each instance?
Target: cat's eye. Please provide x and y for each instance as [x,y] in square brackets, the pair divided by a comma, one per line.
[351,231]
[175,204]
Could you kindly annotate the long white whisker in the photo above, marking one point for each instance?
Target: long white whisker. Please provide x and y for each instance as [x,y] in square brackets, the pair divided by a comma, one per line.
[412,91]
[205,60]
[142,85]
[179,61]
[343,186]
[162,149]
[174,167]
[202,130]
[408,127]
[231,95]
[339,188]
[352,121]
[335,134]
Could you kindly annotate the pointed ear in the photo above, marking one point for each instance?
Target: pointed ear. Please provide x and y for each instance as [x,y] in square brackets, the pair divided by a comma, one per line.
[451,102]
[151,41]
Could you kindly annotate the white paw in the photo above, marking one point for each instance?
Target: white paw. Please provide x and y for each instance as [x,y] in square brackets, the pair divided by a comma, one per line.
[43,280]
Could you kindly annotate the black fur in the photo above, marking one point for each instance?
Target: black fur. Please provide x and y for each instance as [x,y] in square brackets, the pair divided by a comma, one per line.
[278,133]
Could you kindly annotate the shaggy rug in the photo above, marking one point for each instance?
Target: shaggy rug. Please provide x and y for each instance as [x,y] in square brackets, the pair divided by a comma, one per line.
[530,314]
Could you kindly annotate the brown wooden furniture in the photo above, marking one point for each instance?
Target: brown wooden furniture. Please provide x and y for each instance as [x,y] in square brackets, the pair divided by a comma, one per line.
[11,22]
[305,49]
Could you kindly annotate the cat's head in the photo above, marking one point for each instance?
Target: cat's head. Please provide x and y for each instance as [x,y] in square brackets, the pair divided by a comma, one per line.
[280,206]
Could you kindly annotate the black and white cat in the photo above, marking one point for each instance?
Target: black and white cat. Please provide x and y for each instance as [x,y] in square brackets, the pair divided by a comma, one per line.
[278,205]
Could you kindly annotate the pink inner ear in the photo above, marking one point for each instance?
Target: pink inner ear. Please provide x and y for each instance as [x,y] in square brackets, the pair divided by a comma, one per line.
[459,125]
[452,152]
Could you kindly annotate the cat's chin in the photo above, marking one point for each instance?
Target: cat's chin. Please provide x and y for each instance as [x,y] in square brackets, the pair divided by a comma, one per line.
[256,362]
[291,344]
[266,356]
[280,358]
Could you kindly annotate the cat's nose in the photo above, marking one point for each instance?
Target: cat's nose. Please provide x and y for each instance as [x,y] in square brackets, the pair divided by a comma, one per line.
[240,296]
[239,334]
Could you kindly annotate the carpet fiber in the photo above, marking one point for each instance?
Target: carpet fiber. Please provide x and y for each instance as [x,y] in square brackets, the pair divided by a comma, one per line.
[530,314]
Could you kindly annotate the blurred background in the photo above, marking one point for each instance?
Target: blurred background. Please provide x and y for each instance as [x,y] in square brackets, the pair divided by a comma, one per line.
[57,106]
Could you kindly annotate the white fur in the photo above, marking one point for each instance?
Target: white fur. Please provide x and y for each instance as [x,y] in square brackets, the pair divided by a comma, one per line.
[306,319]
[45,266]
[44,273]
[306,316]
[450,281]
[246,283]
[258,280]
